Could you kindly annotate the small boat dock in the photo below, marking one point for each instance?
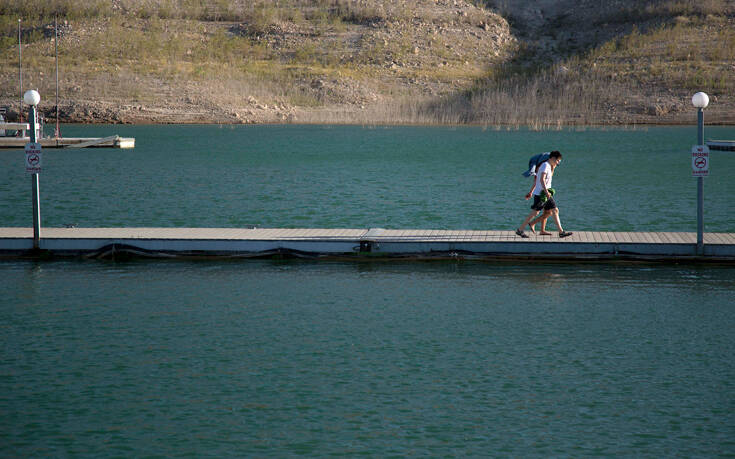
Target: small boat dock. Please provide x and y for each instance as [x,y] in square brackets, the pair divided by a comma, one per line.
[375,243]
[114,141]
[6,141]
[722,145]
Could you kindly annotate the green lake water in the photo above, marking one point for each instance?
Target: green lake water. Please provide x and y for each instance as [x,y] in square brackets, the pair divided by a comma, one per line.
[286,358]
[355,177]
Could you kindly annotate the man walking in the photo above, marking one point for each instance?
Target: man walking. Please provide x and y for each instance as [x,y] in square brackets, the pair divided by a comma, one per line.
[542,197]
[533,164]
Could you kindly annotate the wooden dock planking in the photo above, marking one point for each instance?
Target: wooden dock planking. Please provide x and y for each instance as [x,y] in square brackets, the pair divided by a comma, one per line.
[718,238]
[655,238]
[388,242]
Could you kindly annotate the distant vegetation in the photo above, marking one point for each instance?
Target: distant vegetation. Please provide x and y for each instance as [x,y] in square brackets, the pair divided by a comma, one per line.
[636,75]
[258,12]
[631,63]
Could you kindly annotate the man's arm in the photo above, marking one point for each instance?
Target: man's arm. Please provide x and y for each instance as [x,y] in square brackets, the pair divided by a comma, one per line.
[543,183]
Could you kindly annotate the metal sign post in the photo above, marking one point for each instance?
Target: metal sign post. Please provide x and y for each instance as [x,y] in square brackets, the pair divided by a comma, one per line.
[700,187]
[700,100]
[34,186]
[33,164]
[20,73]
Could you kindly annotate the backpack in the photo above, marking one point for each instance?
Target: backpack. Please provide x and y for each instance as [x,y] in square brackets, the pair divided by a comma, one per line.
[534,162]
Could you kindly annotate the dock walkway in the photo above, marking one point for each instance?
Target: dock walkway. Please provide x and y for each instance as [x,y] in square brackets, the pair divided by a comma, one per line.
[114,141]
[375,242]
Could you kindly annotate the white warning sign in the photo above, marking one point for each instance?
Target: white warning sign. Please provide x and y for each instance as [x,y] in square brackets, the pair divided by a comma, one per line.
[33,158]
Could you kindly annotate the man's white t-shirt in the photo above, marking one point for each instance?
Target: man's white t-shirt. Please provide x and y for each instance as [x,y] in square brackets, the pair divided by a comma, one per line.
[544,167]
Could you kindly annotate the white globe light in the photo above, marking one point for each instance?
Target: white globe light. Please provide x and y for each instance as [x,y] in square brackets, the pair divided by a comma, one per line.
[32,97]
[700,100]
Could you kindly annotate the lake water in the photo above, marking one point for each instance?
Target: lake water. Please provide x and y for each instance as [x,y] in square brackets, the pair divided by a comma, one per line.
[354,177]
[284,358]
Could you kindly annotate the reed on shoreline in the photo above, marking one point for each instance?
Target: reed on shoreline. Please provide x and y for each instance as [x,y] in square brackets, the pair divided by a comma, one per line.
[332,70]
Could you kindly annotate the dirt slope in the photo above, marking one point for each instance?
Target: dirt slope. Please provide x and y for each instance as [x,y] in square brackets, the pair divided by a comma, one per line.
[541,62]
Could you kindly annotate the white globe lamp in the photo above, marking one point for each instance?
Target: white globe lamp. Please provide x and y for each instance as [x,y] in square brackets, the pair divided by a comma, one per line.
[700,100]
[32,97]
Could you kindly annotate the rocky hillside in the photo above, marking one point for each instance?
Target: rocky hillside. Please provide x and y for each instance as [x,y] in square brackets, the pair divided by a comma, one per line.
[503,62]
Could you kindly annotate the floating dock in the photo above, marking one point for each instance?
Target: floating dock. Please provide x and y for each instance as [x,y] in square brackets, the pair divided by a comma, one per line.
[114,141]
[20,141]
[364,243]
[722,145]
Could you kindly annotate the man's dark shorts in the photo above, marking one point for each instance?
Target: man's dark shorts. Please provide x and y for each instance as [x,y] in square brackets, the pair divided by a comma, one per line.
[538,205]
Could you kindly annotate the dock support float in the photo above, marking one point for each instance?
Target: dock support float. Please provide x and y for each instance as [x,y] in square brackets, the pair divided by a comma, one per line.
[356,244]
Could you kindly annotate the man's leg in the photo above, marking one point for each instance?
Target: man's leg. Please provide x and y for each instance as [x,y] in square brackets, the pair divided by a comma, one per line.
[541,218]
[543,226]
[532,223]
[525,222]
[555,213]
[549,209]
[562,233]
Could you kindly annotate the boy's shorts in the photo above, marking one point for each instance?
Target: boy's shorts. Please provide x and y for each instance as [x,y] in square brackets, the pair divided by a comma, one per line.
[538,205]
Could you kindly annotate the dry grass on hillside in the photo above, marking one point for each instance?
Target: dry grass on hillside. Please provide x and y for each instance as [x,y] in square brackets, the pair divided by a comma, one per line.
[639,77]
[371,61]
[299,54]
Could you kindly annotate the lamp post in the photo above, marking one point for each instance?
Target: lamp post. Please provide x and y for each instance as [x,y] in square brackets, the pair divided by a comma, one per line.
[32,98]
[20,72]
[700,100]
